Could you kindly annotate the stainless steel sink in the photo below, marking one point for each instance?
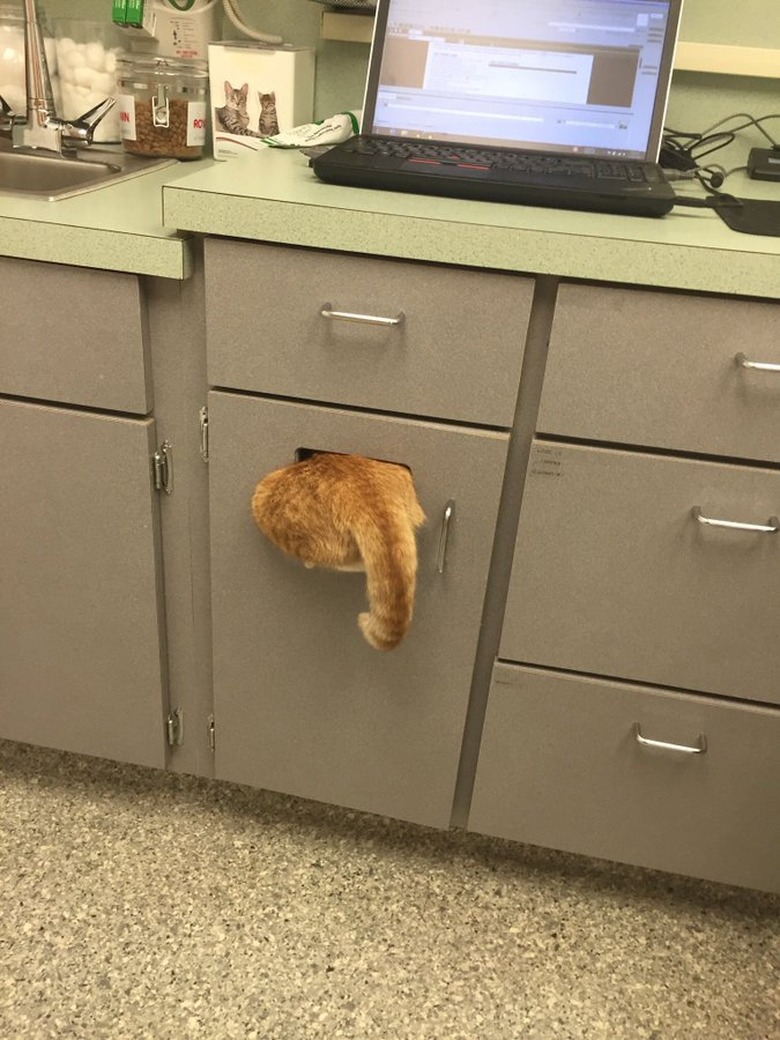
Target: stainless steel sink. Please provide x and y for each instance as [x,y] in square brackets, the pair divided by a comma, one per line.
[35,175]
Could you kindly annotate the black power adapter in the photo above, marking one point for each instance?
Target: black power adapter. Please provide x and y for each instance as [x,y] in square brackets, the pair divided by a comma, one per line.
[764,164]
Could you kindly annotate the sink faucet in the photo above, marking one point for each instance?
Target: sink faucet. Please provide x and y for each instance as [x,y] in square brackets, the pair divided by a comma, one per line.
[42,127]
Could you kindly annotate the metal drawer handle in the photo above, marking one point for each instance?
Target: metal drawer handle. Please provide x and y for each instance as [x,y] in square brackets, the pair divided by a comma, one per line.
[699,748]
[763,366]
[770,527]
[444,535]
[363,319]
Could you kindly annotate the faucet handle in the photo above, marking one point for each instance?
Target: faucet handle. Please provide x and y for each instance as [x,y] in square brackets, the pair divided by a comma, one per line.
[83,127]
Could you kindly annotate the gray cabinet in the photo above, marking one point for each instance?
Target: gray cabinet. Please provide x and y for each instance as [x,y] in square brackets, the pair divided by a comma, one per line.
[632,712]
[83,657]
[302,703]
[413,363]
[81,650]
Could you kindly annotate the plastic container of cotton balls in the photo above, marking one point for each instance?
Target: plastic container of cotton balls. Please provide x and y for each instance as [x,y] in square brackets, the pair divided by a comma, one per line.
[87,54]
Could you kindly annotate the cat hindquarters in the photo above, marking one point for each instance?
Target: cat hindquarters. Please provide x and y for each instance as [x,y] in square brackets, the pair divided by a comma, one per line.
[347,512]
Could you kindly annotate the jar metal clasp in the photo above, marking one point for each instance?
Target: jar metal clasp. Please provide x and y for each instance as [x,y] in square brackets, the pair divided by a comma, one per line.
[160,110]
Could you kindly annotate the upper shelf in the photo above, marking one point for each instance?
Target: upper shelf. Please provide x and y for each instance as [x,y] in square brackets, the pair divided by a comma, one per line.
[728,60]
[347,25]
[691,57]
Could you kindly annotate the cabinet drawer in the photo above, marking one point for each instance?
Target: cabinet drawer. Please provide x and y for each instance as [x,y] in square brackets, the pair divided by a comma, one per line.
[73,335]
[658,369]
[456,353]
[560,766]
[613,575]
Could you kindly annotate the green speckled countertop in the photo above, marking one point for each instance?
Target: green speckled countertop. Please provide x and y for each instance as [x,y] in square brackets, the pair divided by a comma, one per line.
[146,226]
[117,228]
[273,196]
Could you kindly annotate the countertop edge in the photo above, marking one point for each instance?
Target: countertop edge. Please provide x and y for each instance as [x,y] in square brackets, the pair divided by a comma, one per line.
[695,267]
[65,243]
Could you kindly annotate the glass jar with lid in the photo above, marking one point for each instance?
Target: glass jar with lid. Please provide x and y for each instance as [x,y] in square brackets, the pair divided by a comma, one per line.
[163,106]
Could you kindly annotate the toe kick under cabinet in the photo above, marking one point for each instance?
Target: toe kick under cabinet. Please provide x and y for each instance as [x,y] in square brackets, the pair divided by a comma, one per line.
[633,713]
[379,358]
[81,644]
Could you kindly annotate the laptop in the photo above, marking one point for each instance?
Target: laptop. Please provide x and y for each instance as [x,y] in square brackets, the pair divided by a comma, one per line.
[537,102]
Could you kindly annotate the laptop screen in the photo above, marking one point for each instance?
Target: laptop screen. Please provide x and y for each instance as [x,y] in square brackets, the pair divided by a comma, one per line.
[569,76]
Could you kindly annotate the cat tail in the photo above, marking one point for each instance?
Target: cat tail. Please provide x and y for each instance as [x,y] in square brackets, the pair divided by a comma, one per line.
[389,553]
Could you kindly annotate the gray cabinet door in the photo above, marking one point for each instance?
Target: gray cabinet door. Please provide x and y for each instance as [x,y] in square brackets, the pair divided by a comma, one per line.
[613,574]
[80,642]
[302,703]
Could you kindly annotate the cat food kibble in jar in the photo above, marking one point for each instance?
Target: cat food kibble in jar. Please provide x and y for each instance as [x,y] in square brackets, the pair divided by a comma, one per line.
[163,104]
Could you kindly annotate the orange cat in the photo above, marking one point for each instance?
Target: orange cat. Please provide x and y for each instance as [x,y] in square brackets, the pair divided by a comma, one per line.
[350,513]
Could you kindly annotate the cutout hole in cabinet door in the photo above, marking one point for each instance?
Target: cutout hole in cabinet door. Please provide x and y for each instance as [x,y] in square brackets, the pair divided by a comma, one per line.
[301,454]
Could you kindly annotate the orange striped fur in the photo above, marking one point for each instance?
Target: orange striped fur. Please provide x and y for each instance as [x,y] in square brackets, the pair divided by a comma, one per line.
[348,512]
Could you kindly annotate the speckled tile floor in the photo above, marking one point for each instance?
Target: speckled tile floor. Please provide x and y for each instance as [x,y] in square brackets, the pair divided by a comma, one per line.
[142,905]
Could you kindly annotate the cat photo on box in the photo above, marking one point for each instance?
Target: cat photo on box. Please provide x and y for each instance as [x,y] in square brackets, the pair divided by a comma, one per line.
[233,117]
[256,92]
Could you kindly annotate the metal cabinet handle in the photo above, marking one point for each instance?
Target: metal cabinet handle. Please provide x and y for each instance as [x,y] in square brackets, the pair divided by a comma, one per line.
[363,319]
[763,366]
[699,748]
[770,527]
[444,535]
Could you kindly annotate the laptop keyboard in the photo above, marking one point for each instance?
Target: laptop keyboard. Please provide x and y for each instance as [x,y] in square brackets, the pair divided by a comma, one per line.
[500,159]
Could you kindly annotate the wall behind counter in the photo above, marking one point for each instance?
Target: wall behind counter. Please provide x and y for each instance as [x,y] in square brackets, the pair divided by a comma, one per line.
[697,99]
[341,67]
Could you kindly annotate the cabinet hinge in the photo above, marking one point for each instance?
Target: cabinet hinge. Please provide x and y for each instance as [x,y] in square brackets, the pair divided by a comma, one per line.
[162,468]
[174,728]
[212,734]
[204,433]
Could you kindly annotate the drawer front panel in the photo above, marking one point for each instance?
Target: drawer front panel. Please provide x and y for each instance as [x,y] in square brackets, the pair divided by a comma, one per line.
[659,369]
[302,703]
[614,576]
[73,335]
[561,766]
[455,354]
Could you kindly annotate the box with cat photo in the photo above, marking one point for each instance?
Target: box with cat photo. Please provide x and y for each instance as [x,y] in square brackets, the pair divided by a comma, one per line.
[257,91]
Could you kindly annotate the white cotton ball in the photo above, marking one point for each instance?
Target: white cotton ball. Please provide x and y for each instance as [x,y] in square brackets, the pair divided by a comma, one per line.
[95,55]
[72,59]
[65,44]
[70,106]
[83,76]
[104,84]
[111,59]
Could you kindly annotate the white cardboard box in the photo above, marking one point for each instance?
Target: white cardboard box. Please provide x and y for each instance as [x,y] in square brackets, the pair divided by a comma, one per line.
[257,91]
